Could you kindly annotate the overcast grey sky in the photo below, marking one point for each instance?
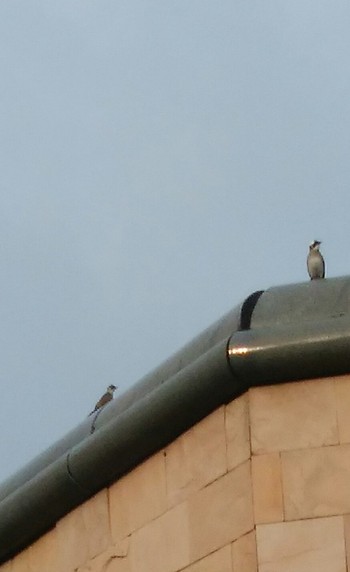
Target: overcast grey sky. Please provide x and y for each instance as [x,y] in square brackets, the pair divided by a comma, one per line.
[160,161]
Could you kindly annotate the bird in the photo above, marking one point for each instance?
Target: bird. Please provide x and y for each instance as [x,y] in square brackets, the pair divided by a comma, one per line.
[315,261]
[106,397]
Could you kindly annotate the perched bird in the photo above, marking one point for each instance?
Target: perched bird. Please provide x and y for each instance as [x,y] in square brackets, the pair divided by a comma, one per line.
[315,262]
[106,397]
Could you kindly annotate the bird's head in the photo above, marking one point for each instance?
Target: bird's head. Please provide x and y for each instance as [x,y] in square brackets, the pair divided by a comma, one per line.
[315,245]
[111,388]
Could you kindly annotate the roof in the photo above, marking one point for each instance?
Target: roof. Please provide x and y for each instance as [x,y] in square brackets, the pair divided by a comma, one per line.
[286,333]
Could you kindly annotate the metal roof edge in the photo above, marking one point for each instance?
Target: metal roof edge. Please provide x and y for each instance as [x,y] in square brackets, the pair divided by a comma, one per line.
[163,404]
[307,336]
[130,437]
[218,331]
[291,353]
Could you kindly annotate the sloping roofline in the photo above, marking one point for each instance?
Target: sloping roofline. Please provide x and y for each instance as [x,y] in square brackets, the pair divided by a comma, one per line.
[286,333]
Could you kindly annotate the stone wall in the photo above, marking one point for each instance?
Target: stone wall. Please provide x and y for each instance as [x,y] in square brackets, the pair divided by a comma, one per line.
[261,485]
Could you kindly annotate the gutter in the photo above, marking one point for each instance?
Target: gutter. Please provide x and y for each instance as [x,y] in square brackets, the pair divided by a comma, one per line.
[288,333]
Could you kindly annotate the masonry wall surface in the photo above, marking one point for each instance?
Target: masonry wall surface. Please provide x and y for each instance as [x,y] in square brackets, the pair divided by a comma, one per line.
[260,485]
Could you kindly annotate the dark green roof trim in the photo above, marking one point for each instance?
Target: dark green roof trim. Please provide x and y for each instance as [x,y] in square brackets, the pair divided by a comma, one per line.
[287,333]
[290,353]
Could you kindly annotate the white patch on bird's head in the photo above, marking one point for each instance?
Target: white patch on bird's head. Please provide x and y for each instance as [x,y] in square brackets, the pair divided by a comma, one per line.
[111,388]
[315,245]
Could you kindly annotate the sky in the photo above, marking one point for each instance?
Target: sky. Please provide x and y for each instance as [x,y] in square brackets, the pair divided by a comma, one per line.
[160,161]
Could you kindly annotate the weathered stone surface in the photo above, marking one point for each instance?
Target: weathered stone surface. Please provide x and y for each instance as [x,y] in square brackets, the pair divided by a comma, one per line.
[244,554]
[293,416]
[267,488]
[237,431]
[163,544]
[316,482]
[302,546]
[219,561]
[139,497]
[196,458]
[221,512]
[342,392]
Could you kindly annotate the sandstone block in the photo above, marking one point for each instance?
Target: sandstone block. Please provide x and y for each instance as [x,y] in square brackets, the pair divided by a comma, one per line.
[302,546]
[316,482]
[342,391]
[219,561]
[43,554]
[196,458]
[163,544]
[237,431]
[267,488]
[293,416]
[221,512]
[244,554]
[139,497]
